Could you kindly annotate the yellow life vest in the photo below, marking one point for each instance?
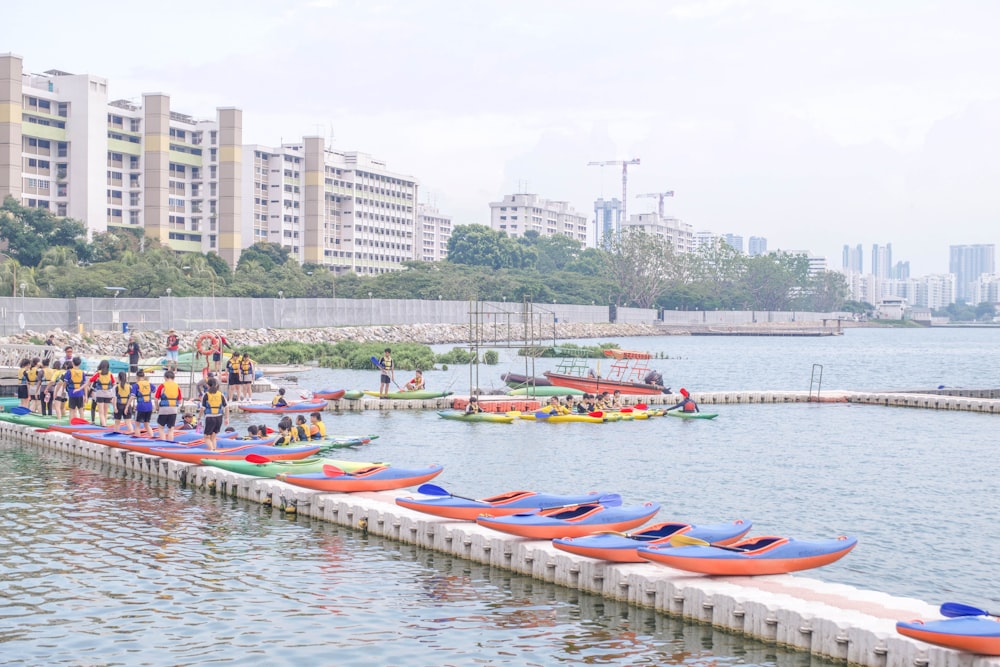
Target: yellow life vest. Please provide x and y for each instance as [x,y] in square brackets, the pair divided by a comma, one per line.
[145,391]
[104,381]
[32,375]
[123,391]
[320,431]
[213,403]
[170,394]
[76,378]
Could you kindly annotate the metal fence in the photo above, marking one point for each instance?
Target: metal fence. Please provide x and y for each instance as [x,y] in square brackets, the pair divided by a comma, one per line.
[19,314]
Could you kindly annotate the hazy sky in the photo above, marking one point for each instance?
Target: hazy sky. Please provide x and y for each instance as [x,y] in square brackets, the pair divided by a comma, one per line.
[813,123]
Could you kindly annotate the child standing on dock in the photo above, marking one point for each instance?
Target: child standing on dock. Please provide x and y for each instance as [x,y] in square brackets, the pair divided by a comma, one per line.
[386,365]
[215,409]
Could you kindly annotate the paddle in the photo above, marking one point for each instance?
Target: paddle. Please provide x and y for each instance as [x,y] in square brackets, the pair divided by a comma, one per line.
[378,365]
[257,458]
[596,413]
[542,415]
[435,490]
[688,541]
[641,406]
[956,609]
[334,471]
[609,499]
[20,410]
[78,421]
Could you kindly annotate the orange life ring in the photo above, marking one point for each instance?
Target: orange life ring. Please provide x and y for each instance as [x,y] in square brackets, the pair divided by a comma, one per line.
[206,344]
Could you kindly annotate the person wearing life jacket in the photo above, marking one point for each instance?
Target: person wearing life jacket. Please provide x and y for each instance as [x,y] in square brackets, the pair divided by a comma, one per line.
[22,384]
[44,377]
[216,409]
[55,390]
[286,433]
[279,399]
[233,377]
[301,428]
[123,404]
[31,377]
[686,404]
[173,345]
[189,422]
[246,377]
[142,393]
[417,383]
[76,383]
[167,403]
[102,382]
[317,429]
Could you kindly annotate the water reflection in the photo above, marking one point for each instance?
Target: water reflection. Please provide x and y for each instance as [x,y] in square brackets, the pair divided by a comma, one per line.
[104,567]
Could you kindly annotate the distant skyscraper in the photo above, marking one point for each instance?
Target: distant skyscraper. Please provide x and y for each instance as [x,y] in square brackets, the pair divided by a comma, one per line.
[881,260]
[734,240]
[854,259]
[901,271]
[967,263]
[757,246]
[607,218]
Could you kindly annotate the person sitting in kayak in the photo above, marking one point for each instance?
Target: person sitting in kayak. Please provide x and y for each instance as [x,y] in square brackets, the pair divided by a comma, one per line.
[301,428]
[279,400]
[686,404]
[188,422]
[317,429]
[286,434]
[417,383]
[473,406]
[555,407]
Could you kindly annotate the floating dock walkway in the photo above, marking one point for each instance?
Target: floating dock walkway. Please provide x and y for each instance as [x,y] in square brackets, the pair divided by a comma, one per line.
[834,621]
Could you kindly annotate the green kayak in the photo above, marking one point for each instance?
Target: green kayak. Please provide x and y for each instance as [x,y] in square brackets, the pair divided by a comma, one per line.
[461,415]
[298,467]
[8,402]
[550,390]
[354,394]
[32,419]
[691,415]
[415,395]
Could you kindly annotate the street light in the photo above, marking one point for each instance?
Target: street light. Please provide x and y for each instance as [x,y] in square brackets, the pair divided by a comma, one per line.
[169,290]
[114,307]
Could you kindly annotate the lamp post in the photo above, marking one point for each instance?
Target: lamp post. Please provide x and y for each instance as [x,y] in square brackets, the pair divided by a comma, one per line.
[20,319]
[371,309]
[169,290]
[114,306]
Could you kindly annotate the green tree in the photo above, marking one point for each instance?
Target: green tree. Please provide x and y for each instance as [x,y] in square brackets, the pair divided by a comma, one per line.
[640,266]
[29,232]
[478,245]
[268,255]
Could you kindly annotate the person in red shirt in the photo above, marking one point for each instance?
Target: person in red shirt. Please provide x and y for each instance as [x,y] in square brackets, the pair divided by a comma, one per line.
[173,344]
[167,401]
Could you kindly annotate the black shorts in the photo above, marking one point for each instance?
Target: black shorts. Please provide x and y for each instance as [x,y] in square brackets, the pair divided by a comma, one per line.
[386,379]
[103,399]
[167,421]
[213,424]
[122,413]
[234,379]
[75,402]
[143,416]
[22,391]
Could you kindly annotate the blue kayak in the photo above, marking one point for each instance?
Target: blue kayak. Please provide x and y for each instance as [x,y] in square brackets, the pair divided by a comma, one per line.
[448,506]
[975,634]
[624,547]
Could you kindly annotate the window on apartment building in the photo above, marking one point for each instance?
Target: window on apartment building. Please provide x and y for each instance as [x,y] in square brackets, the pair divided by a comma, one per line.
[212,170]
[62,110]
[133,217]
[213,154]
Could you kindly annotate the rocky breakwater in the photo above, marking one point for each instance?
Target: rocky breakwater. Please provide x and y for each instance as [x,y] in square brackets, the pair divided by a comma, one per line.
[113,344]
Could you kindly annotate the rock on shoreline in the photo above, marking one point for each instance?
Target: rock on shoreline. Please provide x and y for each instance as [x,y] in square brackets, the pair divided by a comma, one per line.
[113,343]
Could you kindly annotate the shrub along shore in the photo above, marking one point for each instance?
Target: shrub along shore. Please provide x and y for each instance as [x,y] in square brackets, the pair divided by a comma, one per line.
[113,344]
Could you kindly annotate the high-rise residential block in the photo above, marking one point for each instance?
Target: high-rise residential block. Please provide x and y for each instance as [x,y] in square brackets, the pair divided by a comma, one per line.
[344,210]
[679,233]
[433,231]
[120,163]
[881,260]
[519,213]
[735,241]
[854,259]
[968,263]
[607,219]
[757,246]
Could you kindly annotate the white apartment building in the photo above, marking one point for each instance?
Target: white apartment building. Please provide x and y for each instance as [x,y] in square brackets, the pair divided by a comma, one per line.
[679,233]
[433,232]
[932,291]
[344,210]
[986,289]
[705,238]
[519,213]
[121,163]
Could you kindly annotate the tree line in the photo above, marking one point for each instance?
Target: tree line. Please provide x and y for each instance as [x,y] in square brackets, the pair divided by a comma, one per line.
[51,256]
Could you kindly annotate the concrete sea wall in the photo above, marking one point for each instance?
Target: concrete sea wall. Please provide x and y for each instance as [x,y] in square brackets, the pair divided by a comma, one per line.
[836,621]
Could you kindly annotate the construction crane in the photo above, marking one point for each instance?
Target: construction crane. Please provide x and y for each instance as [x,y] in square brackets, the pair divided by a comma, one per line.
[661,195]
[624,164]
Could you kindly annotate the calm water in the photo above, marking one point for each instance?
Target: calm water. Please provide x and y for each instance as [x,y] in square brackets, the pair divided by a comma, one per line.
[101,568]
